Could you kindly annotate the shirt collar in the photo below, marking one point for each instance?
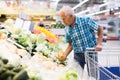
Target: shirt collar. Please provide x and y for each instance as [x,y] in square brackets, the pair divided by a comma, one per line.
[76,20]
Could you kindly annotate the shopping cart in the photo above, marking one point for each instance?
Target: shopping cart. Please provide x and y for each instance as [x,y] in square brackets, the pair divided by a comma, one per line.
[104,65]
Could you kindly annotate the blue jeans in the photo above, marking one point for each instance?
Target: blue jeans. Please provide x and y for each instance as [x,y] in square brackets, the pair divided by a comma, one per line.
[80,58]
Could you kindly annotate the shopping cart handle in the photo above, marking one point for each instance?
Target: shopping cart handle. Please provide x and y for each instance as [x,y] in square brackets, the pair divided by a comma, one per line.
[90,49]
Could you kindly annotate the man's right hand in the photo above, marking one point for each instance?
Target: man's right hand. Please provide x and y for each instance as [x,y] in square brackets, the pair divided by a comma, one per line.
[61,56]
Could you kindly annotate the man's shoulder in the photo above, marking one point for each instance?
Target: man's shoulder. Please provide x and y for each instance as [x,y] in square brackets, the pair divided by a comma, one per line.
[81,19]
[85,17]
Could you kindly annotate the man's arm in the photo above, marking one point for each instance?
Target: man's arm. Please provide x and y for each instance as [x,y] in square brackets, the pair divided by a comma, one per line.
[100,35]
[68,49]
[63,55]
[99,39]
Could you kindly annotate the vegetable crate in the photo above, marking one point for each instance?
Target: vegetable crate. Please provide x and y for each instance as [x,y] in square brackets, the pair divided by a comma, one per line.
[104,65]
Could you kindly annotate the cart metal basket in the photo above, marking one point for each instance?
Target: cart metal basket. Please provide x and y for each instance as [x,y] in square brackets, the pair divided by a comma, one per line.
[104,65]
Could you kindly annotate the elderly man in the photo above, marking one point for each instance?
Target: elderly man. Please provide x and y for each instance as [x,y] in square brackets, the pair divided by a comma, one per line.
[80,34]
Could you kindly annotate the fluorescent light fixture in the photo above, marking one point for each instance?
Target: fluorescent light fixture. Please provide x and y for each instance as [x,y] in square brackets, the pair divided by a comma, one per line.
[81,3]
[107,3]
[82,12]
[104,11]
[117,13]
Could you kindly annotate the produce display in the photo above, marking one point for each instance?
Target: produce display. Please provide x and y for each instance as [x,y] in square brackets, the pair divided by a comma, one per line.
[36,43]
[57,25]
[45,31]
[52,38]
[10,72]
[68,75]
[25,49]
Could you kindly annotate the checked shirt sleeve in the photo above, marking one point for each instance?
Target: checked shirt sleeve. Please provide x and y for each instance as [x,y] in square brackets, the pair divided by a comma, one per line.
[93,25]
[67,36]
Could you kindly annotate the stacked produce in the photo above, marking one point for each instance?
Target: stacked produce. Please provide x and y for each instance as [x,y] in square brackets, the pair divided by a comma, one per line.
[68,75]
[45,31]
[2,36]
[57,25]
[10,72]
[52,38]
[36,43]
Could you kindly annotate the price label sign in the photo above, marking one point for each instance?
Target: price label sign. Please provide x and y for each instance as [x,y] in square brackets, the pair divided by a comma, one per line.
[28,25]
[18,23]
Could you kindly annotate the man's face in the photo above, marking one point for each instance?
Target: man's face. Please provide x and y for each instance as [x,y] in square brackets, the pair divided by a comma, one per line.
[66,19]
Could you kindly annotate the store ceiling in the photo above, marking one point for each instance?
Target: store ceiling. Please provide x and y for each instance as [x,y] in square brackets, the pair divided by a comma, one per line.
[71,3]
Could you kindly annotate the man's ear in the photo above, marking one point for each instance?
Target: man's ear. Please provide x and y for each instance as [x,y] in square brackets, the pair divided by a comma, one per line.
[70,15]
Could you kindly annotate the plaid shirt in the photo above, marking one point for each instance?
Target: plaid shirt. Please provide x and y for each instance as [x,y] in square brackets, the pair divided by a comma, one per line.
[82,34]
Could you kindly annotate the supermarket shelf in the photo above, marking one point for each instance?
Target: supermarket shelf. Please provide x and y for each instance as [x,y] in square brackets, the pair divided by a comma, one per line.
[112,38]
[28,12]
[33,15]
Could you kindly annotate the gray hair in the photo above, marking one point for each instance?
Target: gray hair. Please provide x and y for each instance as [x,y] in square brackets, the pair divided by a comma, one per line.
[67,10]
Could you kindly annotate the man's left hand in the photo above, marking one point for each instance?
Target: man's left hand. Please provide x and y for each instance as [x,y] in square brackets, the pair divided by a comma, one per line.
[98,47]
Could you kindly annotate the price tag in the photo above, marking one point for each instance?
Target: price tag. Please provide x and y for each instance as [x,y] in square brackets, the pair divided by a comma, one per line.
[28,25]
[18,23]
